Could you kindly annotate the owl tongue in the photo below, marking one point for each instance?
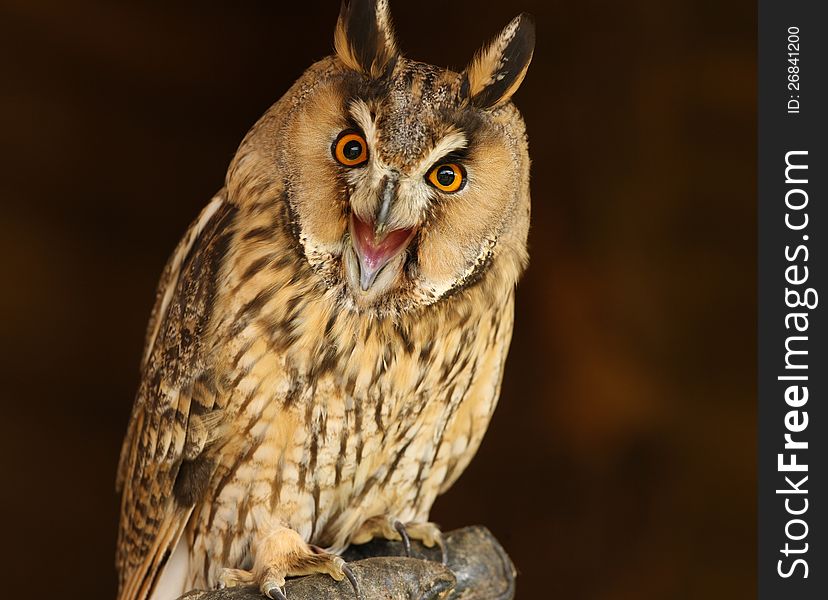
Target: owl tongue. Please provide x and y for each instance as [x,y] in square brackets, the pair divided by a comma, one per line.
[375,252]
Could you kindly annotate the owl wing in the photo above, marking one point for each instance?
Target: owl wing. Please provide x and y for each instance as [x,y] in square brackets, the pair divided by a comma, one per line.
[176,408]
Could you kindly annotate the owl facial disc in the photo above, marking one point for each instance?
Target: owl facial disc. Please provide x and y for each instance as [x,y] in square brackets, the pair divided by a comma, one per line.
[374,251]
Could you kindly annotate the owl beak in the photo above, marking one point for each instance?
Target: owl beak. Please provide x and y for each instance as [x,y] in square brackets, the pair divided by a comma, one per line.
[389,192]
[374,250]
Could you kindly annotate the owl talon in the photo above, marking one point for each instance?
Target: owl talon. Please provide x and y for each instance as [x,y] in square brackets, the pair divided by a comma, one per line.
[273,592]
[281,552]
[392,529]
[443,552]
[430,535]
[354,583]
[400,528]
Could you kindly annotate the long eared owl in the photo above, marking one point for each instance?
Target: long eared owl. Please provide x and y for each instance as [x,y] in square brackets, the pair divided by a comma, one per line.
[328,339]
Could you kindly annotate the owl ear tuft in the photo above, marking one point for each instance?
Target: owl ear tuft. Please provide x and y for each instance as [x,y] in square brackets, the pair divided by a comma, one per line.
[364,37]
[499,68]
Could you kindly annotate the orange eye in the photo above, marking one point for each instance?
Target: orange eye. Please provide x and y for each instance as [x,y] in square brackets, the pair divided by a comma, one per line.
[350,149]
[447,177]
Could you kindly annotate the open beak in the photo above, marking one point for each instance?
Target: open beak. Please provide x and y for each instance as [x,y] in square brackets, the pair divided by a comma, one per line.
[375,249]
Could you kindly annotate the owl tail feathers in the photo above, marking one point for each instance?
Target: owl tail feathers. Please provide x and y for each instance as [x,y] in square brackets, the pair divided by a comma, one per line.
[142,582]
[172,582]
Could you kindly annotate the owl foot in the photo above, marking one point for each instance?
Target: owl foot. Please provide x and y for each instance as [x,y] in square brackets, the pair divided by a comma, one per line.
[392,529]
[281,553]
[428,533]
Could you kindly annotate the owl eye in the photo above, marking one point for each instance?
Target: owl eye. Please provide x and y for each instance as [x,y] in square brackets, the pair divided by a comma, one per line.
[447,177]
[350,149]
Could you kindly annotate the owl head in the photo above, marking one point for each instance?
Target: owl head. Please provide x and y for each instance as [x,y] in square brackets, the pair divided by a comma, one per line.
[404,183]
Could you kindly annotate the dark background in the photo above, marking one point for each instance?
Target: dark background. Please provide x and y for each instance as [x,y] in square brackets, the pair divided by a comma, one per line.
[620,463]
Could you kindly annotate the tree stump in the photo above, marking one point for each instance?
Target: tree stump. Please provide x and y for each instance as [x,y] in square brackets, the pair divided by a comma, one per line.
[478,568]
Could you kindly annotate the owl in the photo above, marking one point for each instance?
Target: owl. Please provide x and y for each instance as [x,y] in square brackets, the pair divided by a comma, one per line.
[328,339]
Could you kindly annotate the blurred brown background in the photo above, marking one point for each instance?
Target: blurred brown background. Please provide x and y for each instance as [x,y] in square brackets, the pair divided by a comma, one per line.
[620,463]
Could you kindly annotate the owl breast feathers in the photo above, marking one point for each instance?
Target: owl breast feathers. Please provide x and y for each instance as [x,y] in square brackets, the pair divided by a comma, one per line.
[328,339]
